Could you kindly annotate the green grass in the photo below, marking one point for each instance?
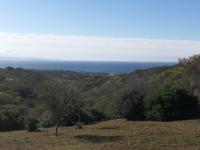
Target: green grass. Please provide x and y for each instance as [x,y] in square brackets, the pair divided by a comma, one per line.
[109,135]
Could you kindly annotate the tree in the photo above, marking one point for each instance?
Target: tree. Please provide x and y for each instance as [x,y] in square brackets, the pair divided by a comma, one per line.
[192,62]
[61,99]
[170,103]
[10,113]
[46,119]
[131,105]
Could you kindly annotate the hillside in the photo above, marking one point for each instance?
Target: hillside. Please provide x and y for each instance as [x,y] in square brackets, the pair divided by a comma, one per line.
[100,96]
[45,99]
[185,74]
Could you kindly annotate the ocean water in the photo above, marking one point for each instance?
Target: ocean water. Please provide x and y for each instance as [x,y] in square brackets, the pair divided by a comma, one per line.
[83,66]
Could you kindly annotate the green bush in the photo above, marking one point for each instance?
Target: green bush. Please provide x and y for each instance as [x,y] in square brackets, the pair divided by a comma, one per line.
[11,113]
[11,118]
[46,119]
[32,125]
[132,105]
[170,103]
[97,115]
[6,98]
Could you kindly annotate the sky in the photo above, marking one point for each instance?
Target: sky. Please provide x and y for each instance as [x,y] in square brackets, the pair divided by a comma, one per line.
[100,30]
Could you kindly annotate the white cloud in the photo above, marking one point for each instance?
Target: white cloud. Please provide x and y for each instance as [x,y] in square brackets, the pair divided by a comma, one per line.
[94,48]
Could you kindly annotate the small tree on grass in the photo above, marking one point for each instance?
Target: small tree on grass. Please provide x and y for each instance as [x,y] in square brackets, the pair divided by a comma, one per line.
[61,98]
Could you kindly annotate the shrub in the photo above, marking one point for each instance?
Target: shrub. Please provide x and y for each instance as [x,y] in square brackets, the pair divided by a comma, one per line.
[32,125]
[170,103]
[132,105]
[97,115]
[6,98]
[46,119]
[11,118]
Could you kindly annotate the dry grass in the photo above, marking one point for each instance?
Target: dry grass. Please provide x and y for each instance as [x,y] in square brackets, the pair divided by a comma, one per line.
[109,135]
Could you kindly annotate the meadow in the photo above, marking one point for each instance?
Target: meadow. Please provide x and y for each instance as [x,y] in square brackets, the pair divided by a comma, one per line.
[109,135]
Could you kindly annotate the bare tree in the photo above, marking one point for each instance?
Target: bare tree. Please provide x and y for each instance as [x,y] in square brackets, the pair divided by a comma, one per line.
[62,100]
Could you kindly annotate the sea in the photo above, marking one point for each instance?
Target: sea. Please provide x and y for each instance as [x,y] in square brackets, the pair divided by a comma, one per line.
[83,66]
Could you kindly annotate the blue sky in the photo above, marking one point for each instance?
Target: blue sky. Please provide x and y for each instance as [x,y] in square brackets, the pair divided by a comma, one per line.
[161,26]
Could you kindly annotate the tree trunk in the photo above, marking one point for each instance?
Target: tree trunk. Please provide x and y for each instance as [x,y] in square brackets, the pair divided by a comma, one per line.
[56,131]
[79,115]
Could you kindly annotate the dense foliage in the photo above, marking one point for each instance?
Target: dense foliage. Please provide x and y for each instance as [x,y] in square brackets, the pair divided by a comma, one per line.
[132,105]
[62,101]
[11,113]
[65,98]
[170,103]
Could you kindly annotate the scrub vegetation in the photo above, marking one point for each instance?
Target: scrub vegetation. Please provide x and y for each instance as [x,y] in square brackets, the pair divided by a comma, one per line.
[35,100]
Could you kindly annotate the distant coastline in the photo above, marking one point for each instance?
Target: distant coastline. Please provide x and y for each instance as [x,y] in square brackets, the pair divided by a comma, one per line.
[82,66]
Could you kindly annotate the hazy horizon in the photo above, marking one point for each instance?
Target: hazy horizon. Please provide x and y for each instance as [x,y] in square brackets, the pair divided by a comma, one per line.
[63,60]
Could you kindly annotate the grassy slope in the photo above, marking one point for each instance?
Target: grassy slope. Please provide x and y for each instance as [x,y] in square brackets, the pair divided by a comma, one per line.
[109,135]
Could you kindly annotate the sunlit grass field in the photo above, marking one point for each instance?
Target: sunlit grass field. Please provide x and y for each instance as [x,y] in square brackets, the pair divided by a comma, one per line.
[109,135]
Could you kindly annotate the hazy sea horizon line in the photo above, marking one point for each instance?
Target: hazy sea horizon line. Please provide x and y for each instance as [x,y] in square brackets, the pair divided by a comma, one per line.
[63,60]
[83,66]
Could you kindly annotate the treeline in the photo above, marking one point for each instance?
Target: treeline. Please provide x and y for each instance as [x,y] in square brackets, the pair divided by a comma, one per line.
[58,98]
